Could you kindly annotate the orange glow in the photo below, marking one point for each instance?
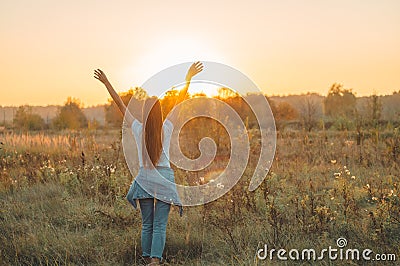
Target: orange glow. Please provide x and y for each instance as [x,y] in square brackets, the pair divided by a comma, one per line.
[50,48]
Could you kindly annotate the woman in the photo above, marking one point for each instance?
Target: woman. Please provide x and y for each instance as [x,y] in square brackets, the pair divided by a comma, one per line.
[152,139]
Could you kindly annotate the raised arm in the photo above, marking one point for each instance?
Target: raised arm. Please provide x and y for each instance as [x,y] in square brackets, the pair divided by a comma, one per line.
[193,70]
[99,74]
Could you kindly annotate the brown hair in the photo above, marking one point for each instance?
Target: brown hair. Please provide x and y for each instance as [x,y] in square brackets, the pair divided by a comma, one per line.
[152,132]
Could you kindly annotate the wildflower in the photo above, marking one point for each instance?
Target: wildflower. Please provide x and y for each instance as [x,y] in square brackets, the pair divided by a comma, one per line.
[349,143]
[112,169]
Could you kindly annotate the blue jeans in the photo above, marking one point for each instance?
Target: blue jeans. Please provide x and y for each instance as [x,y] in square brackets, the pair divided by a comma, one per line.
[154,226]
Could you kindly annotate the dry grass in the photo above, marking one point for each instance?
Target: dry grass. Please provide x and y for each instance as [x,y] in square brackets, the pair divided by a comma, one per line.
[62,202]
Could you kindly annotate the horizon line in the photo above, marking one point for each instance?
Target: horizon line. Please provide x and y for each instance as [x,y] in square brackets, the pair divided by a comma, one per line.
[268,95]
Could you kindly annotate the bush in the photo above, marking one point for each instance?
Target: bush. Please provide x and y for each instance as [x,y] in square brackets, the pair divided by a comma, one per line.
[70,116]
[25,120]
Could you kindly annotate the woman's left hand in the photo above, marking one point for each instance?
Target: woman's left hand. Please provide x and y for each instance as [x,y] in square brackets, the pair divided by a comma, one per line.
[194,69]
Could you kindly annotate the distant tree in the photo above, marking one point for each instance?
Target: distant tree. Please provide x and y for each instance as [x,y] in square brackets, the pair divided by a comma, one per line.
[25,120]
[70,116]
[309,112]
[199,94]
[391,108]
[283,112]
[241,105]
[251,104]
[168,101]
[226,93]
[340,102]
[374,106]
[112,113]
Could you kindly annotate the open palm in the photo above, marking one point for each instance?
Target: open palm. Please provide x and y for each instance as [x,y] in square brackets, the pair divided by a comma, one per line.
[194,69]
[99,74]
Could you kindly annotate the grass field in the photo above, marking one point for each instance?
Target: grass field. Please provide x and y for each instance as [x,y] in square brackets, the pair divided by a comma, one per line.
[62,202]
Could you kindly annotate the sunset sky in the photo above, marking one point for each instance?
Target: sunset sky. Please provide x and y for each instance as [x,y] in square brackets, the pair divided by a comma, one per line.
[49,48]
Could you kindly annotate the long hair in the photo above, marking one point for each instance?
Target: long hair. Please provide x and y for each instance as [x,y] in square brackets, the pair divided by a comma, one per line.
[152,132]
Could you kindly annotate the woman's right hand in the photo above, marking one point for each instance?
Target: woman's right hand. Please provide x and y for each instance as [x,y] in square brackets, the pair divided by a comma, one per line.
[99,74]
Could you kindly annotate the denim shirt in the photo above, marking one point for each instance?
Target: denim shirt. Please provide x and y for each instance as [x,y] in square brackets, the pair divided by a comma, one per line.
[149,183]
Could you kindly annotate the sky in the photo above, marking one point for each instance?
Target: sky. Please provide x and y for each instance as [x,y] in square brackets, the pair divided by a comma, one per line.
[49,49]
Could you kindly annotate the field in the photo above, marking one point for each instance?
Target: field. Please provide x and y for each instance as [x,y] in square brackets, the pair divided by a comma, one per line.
[62,202]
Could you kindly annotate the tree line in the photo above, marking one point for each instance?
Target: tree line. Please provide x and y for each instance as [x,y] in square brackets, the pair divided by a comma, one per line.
[339,111]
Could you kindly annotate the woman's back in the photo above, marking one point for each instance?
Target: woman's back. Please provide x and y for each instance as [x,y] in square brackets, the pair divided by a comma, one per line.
[137,130]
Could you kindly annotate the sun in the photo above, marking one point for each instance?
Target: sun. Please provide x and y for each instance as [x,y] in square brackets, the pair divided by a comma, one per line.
[201,88]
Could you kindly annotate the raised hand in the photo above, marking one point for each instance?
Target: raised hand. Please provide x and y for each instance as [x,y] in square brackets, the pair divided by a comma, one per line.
[99,74]
[194,69]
